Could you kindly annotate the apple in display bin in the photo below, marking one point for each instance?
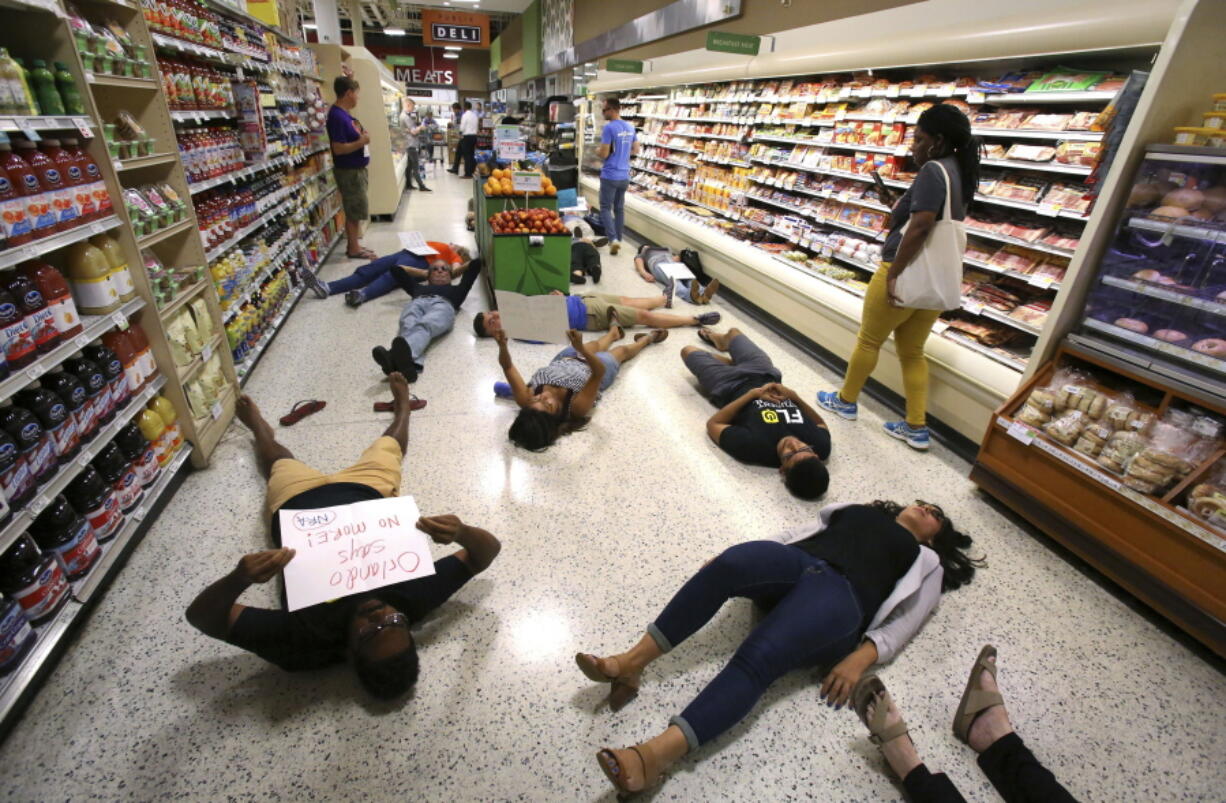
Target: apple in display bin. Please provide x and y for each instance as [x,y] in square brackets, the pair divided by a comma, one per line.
[527,221]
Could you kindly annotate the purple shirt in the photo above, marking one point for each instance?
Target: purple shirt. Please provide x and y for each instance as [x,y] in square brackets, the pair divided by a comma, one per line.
[343,128]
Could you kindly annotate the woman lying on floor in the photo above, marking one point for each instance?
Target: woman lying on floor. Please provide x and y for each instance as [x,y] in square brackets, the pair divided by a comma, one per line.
[561,396]
[849,590]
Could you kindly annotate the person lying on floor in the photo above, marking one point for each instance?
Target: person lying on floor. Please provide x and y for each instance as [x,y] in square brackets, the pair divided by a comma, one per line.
[584,261]
[647,264]
[848,590]
[373,280]
[981,721]
[760,421]
[429,316]
[561,397]
[370,631]
[597,312]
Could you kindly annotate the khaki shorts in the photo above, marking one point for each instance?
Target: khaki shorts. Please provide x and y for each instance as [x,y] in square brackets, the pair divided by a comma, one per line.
[379,468]
[598,308]
[352,182]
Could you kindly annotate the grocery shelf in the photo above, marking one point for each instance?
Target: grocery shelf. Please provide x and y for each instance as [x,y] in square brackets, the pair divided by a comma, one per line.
[1047,167]
[976,308]
[702,157]
[1176,229]
[94,326]
[144,161]
[1004,238]
[1051,97]
[1158,291]
[202,115]
[165,42]
[264,219]
[275,263]
[46,245]
[657,144]
[237,175]
[244,368]
[85,588]
[1034,133]
[189,371]
[50,6]
[125,82]
[184,297]
[999,355]
[47,123]
[1036,281]
[1214,364]
[21,520]
[318,200]
[164,234]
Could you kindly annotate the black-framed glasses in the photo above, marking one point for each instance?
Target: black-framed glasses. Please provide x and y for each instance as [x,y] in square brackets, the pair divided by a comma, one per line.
[934,510]
[369,629]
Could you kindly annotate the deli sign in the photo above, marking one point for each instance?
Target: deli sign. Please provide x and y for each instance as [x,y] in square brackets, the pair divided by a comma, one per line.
[455,28]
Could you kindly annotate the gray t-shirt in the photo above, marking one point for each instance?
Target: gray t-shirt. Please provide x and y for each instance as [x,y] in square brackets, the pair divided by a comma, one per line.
[926,194]
[654,256]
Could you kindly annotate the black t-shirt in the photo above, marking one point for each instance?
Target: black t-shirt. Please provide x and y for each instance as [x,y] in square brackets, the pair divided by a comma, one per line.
[318,636]
[870,548]
[757,428]
[455,293]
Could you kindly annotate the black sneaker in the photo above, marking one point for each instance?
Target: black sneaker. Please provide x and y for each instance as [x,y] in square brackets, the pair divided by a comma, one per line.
[425,189]
[384,359]
[600,242]
[402,359]
[354,298]
[313,284]
[594,272]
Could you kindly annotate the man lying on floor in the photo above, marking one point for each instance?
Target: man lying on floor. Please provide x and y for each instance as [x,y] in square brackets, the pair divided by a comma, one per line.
[374,279]
[597,312]
[429,316]
[370,631]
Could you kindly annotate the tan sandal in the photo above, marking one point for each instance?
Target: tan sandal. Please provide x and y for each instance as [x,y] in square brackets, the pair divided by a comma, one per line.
[709,292]
[612,763]
[974,699]
[624,687]
[870,689]
[656,335]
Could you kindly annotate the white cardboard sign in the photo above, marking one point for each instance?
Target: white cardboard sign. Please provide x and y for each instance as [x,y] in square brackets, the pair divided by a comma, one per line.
[526,181]
[415,243]
[538,318]
[350,549]
[676,270]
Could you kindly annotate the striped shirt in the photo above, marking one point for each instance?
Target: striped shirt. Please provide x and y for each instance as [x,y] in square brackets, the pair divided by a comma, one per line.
[565,372]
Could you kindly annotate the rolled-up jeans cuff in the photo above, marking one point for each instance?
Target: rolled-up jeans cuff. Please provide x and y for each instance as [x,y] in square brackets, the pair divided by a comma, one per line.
[660,639]
[691,738]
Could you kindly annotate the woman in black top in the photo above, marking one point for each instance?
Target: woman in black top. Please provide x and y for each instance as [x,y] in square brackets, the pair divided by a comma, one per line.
[849,590]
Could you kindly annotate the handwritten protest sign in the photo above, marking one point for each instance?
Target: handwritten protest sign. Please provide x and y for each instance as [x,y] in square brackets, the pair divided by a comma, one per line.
[349,549]
[541,319]
[676,270]
[415,243]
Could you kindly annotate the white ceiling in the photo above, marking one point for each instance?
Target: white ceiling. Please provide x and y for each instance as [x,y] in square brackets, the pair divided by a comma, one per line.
[513,6]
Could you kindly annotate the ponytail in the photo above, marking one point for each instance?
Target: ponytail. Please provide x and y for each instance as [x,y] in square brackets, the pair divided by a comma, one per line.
[948,121]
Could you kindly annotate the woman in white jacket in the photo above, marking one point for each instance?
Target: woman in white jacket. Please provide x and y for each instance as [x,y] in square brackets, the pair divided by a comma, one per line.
[849,590]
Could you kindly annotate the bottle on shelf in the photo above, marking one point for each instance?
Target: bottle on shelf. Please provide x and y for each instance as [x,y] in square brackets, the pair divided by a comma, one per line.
[16,93]
[166,411]
[72,394]
[37,316]
[68,210]
[16,337]
[45,94]
[35,580]
[15,479]
[121,344]
[15,226]
[65,534]
[118,471]
[144,354]
[97,393]
[54,289]
[140,449]
[89,274]
[96,500]
[92,182]
[117,389]
[26,182]
[67,86]
[16,635]
[52,414]
[32,442]
[121,277]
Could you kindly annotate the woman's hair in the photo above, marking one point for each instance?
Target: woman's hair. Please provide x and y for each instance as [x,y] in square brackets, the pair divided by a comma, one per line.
[948,543]
[534,430]
[949,122]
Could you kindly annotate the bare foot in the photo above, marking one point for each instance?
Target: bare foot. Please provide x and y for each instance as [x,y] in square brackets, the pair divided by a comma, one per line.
[400,389]
[246,411]
[992,723]
[900,751]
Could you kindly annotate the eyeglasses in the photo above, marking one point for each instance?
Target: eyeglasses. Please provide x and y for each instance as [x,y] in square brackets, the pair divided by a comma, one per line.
[931,509]
[369,629]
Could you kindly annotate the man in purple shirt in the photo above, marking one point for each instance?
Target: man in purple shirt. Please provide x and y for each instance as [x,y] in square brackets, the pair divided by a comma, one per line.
[351,154]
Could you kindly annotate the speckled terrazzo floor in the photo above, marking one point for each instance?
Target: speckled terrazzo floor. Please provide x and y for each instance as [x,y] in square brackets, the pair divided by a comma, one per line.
[597,533]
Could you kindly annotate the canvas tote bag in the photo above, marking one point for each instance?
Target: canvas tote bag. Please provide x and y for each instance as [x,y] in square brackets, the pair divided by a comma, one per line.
[933,280]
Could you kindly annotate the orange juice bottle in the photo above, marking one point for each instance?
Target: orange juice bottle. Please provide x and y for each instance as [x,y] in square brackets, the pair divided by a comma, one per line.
[89,274]
[154,430]
[121,277]
[166,411]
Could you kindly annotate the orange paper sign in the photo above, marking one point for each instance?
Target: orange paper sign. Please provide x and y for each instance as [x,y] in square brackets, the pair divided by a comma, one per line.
[462,28]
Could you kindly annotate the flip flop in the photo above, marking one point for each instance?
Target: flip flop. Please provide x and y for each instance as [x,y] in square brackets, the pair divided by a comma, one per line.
[705,336]
[868,689]
[623,691]
[301,410]
[387,407]
[365,253]
[656,335]
[611,764]
[974,699]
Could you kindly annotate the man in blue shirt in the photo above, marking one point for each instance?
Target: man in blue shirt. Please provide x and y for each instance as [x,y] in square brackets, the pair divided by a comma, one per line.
[617,145]
[351,154]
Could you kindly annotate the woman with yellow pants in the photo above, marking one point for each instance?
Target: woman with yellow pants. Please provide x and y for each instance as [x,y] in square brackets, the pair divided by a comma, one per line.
[943,143]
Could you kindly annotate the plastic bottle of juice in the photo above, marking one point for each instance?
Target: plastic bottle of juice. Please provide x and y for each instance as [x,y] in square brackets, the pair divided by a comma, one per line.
[118,471]
[79,180]
[38,318]
[58,424]
[32,442]
[92,178]
[51,283]
[91,377]
[154,430]
[15,226]
[121,344]
[166,411]
[45,93]
[142,453]
[118,392]
[49,179]
[91,495]
[27,184]
[66,209]
[144,354]
[16,340]
[89,274]
[14,78]
[12,100]
[72,393]
[64,533]
[67,87]
[121,277]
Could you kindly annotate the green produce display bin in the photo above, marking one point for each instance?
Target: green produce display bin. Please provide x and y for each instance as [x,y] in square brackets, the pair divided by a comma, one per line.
[532,270]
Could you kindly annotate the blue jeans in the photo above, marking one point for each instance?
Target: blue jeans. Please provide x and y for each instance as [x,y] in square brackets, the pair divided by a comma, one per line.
[815,618]
[613,207]
[611,365]
[373,278]
[424,319]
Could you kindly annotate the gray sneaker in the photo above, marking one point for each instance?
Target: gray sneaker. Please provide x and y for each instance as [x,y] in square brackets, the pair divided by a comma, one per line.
[312,282]
[354,298]
[709,318]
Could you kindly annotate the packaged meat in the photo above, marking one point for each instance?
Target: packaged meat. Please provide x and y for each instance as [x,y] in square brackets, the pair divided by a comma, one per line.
[1078,153]
[1023,152]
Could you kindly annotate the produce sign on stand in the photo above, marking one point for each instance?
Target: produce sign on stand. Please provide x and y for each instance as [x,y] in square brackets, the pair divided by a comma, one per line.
[512,149]
[527,221]
[526,181]
[502,183]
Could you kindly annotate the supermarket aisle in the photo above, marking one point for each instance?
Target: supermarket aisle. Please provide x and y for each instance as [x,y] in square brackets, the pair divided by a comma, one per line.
[597,533]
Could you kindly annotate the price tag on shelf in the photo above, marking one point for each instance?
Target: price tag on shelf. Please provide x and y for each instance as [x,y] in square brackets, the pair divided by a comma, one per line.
[891,91]
[206,352]
[118,165]
[974,96]
[844,92]
[840,115]
[918,90]
[82,125]
[972,307]
[121,320]
[82,340]
[901,150]
[1040,281]
[1050,210]
[38,504]
[863,91]
[36,370]
[939,326]
[84,458]
[97,227]
[844,196]
[945,91]
[827,251]
[89,77]
[27,130]
[888,118]
[1021,432]
[139,513]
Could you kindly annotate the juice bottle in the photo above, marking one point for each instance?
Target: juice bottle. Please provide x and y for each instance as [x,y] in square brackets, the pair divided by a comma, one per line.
[38,318]
[142,450]
[45,94]
[72,394]
[121,277]
[49,179]
[65,202]
[67,87]
[133,369]
[16,636]
[51,283]
[58,425]
[89,274]
[166,411]
[92,179]
[144,354]
[91,495]
[82,185]
[35,580]
[118,392]
[16,340]
[64,533]
[27,184]
[92,379]
[15,227]
[118,471]
[15,479]
[14,78]
[32,442]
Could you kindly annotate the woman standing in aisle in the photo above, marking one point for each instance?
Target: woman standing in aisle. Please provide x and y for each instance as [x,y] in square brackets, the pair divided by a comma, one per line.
[848,590]
[948,156]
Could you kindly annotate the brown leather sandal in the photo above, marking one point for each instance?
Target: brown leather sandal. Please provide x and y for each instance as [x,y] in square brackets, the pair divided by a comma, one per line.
[974,699]
[870,689]
[613,764]
[624,687]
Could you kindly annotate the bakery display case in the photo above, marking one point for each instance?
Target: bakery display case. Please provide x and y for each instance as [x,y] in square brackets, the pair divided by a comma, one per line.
[1159,299]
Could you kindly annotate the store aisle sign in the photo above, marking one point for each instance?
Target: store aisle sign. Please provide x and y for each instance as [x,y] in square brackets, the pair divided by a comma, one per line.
[624,65]
[455,28]
[421,75]
[350,549]
[741,43]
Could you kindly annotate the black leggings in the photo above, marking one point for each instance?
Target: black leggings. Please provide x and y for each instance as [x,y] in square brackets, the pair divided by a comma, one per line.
[1010,766]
